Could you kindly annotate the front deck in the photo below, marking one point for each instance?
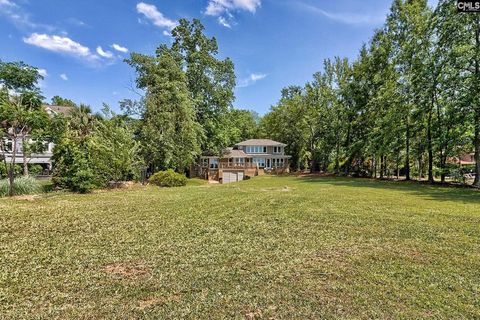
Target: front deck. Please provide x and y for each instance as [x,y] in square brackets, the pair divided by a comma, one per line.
[247,170]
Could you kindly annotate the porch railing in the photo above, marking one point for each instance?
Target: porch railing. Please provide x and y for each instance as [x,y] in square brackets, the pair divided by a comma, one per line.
[223,165]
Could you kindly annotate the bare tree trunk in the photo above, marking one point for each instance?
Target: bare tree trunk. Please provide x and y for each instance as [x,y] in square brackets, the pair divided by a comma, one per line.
[381,167]
[407,149]
[420,169]
[337,157]
[387,170]
[430,148]
[7,167]
[476,143]
[11,168]
[24,155]
[443,161]
[476,182]
[397,164]
[372,168]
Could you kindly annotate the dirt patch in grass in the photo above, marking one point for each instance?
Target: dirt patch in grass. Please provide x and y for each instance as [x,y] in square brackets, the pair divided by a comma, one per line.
[29,198]
[153,301]
[284,189]
[260,313]
[336,254]
[129,269]
[252,315]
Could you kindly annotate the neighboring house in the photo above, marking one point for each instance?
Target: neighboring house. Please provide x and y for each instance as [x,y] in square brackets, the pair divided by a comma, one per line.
[246,159]
[466,159]
[58,110]
[44,158]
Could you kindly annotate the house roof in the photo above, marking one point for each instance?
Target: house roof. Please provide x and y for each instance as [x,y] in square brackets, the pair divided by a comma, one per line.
[464,159]
[66,111]
[261,142]
[230,153]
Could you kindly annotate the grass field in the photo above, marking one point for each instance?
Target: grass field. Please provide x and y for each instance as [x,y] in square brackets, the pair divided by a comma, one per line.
[270,247]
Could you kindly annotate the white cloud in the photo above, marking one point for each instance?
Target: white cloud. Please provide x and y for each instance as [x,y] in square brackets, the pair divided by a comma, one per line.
[6,3]
[218,7]
[64,77]
[60,44]
[119,48]
[76,22]
[105,54]
[224,22]
[254,77]
[345,17]
[19,17]
[42,72]
[151,12]
[166,33]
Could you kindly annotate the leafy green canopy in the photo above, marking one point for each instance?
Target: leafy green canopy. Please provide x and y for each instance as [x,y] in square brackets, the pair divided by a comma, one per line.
[187,106]
[94,151]
[408,105]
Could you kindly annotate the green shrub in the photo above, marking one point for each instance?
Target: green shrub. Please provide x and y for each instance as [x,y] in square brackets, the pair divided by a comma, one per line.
[168,179]
[3,171]
[73,168]
[83,181]
[35,169]
[22,186]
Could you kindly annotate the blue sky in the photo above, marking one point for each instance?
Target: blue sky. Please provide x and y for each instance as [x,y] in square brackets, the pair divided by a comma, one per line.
[80,45]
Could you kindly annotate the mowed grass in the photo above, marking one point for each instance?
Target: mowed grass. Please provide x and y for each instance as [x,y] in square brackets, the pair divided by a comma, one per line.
[270,247]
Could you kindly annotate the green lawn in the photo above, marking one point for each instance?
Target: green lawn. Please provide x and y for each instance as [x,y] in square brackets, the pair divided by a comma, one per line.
[270,247]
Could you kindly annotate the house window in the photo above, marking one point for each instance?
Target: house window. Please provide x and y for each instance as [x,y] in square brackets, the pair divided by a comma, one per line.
[205,162]
[256,149]
[277,149]
[8,146]
[276,163]
[213,163]
[259,161]
[240,160]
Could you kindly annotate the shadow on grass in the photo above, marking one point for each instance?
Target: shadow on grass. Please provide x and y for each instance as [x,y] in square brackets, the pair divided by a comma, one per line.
[434,192]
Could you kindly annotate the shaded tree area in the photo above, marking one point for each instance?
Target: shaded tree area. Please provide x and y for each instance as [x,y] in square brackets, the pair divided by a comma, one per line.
[187,107]
[23,122]
[93,150]
[407,106]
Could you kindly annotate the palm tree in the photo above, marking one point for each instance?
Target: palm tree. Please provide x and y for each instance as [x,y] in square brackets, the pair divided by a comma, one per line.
[82,120]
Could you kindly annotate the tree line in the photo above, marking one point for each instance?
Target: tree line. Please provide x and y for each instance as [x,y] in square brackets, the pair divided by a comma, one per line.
[407,106]
[185,109]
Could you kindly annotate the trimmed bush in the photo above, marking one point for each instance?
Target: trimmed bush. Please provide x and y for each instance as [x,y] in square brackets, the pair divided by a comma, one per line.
[168,179]
[22,186]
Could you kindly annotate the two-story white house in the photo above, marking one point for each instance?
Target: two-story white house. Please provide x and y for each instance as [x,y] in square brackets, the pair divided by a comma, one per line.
[44,158]
[246,159]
